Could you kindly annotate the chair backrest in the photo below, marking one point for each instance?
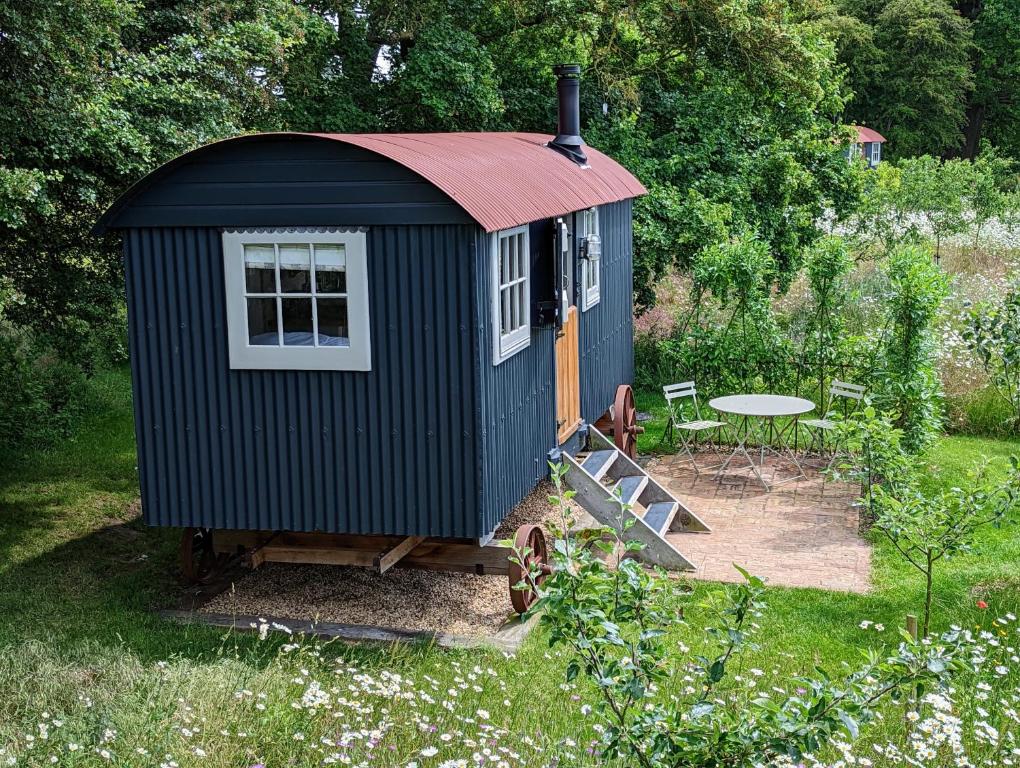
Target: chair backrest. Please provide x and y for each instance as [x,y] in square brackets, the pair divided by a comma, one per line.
[845,389]
[849,392]
[673,392]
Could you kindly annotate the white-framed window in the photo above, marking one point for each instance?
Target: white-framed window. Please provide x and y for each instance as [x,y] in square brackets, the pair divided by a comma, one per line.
[590,249]
[876,153]
[511,292]
[297,299]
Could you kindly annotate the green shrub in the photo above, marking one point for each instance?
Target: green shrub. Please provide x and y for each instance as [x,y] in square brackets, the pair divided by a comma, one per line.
[993,334]
[43,389]
[907,381]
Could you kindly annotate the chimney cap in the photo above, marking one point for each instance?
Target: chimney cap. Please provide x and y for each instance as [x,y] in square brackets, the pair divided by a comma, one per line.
[566,70]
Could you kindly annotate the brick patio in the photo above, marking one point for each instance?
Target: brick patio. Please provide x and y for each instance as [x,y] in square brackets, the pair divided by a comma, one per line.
[803,533]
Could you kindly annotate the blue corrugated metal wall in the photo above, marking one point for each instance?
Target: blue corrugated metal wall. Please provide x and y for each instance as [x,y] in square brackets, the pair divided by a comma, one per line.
[607,329]
[517,398]
[387,451]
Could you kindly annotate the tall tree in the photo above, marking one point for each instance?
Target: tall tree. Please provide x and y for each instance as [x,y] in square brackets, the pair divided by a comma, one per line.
[96,93]
[919,102]
[994,108]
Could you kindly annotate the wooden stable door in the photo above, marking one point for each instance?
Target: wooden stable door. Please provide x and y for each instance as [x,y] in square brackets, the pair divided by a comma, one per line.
[568,378]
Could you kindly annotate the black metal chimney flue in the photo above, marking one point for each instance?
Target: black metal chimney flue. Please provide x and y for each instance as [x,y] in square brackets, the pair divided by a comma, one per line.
[568,139]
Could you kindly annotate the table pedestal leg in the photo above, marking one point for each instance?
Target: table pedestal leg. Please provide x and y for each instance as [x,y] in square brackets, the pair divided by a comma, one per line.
[784,452]
[742,434]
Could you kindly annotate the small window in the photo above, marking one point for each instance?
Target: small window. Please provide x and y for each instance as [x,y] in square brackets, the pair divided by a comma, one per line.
[876,153]
[297,300]
[511,296]
[590,245]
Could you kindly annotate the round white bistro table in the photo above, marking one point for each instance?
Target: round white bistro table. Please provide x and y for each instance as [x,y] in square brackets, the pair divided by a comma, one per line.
[761,411]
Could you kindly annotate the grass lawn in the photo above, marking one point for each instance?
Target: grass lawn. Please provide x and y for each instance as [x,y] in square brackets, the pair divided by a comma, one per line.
[79,574]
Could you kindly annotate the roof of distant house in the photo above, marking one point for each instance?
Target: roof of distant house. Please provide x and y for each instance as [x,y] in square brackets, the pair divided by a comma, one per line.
[501,180]
[868,135]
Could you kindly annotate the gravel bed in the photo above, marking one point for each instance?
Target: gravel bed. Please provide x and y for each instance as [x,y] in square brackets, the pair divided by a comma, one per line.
[430,601]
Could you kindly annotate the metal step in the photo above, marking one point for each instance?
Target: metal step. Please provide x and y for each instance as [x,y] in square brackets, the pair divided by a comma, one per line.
[660,514]
[627,489]
[597,463]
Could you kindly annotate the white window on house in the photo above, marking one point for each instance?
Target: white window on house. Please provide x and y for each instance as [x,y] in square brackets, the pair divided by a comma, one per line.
[590,250]
[511,292]
[876,153]
[297,299]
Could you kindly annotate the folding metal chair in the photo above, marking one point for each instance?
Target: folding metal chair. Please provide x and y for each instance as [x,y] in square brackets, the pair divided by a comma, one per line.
[818,428]
[687,430]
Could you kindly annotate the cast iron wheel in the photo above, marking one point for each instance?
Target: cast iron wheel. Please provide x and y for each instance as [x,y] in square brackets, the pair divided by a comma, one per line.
[197,557]
[531,539]
[625,426]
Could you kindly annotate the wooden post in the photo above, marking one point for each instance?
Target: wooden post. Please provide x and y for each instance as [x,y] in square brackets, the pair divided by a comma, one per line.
[912,625]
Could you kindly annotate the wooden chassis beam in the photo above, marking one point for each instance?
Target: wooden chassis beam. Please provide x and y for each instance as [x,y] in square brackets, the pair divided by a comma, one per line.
[365,551]
[390,557]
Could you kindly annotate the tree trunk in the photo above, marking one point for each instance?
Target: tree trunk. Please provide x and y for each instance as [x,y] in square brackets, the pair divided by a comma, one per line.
[927,598]
[972,132]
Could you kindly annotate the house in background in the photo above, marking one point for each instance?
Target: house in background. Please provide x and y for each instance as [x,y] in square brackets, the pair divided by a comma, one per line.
[868,145]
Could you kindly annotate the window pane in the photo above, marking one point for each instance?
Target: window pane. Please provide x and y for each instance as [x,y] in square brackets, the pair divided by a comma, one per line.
[504,317]
[521,256]
[295,269]
[297,323]
[514,316]
[522,307]
[332,322]
[260,268]
[262,328]
[504,261]
[331,268]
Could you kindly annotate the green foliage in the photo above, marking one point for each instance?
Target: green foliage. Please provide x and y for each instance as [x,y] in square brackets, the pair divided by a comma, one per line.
[826,347]
[907,381]
[614,623]
[927,528]
[43,392]
[910,69]
[936,77]
[989,196]
[878,222]
[993,334]
[447,83]
[730,341]
[920,102]
[936,191]
[994,109]
[875,445]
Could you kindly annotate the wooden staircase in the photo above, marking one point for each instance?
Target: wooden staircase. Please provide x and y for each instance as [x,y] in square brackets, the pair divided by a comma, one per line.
[604,478]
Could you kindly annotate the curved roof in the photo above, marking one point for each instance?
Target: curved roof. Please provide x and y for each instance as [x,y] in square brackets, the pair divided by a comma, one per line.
[868,135]
[500,179]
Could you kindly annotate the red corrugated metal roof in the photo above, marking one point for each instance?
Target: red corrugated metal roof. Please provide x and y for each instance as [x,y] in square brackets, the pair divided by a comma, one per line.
[503,179]
[868,135]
